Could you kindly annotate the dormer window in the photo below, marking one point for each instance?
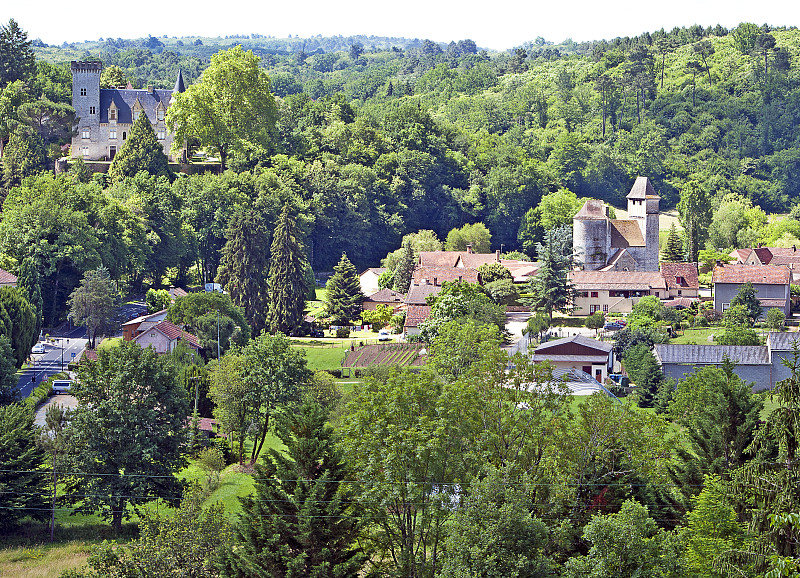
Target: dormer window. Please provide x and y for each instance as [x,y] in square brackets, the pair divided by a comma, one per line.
[678,280]
[136,114]
[112,114]
[160,114]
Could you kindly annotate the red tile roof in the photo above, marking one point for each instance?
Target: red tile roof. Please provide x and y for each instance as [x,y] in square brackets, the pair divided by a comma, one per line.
[172,331]
[687,272]
[417,294]
[619,280]
[756,274]
[438,275]
[7,278]
[385,296]
[416,314]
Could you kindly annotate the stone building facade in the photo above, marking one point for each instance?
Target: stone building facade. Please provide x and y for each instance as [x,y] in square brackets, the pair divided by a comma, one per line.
[105,115]
[605,244]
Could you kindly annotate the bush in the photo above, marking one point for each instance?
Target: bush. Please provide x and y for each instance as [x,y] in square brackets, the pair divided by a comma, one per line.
[224,448]
[343,332]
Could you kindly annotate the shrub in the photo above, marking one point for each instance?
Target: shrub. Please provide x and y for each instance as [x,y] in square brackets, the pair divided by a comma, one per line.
[343,332]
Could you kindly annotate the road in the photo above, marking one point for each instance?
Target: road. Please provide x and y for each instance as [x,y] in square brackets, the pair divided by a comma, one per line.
[67,344]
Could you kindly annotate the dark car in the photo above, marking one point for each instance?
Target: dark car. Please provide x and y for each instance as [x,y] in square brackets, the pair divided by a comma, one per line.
[317,333]
[613,326]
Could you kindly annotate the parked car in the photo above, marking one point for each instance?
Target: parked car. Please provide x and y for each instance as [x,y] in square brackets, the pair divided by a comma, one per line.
[317,333]
[383,335]
[613,326]
[61,386]
[38,348]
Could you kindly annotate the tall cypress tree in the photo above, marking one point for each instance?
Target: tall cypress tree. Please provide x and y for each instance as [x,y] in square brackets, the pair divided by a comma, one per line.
[245,264]
[288,286]
[28,282]
[300,521]
[673,251]
[404,270]
[142,151]
[344,296]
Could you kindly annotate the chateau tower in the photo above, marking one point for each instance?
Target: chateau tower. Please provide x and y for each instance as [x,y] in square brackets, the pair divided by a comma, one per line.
[643,208]
[86,102]
[590,230]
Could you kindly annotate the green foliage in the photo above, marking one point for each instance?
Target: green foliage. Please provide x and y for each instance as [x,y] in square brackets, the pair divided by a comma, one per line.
[323,390]
[287,283]
[502,292]
[157,300]
[379,317]
[551,289]
[23,481]
[645,372]
[673,251]
[746,296]
[343,296]
[538,323]
[775,319]
[301,521]
[386,279]
[459,300]
[28,283]
[404,270]
[127,432]
[141,151]
[93,304]
[24,156]
[595,321]
[556,209]
[695,213]
[18,323]
[491,272]
[198,313]
[739,336]
[475,234]
[9,390]
[113,77]
[16,53]
[460,345]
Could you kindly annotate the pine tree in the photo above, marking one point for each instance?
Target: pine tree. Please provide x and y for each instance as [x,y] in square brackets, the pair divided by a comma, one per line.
[551,289]
[673,250]
[141,152]
[404,270]
[24,156]
[244,266]
[299,523]
[28,282]
[344,295]
[288,285]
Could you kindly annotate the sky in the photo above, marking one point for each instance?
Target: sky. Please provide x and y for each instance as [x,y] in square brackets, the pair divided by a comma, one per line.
[493,24]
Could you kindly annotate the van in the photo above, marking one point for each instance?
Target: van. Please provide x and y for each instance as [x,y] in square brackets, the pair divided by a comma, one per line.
[62,386]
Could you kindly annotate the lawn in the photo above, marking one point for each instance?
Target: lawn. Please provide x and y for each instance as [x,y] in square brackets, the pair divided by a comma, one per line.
[323,358]
[109,342]
[698,336]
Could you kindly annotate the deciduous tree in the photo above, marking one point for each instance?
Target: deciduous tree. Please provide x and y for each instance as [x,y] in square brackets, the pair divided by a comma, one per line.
[94,304]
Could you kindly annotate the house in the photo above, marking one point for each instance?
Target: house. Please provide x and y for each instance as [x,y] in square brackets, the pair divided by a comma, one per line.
[415,314]
[614,291]
[7,279]
[105,115]
[681,280]
[383,297]
[176,292]
[602,243]
[137,325]
[761,365]
[766,255]
[595,358]
[437,275]
[369,280]
[418,293]
[771,282]
[164,337]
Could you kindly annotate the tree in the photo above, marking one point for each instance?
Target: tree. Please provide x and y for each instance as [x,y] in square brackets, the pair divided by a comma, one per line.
[17,322]
[301,520]
[551,288]
[379,317]
[127,433]
[28,282]
[287,282]
[695,214]
[746,297]
[460,345]
[200,312]
[343,295]
[475,234]
[229,109]
[24,156]
[141,151]
[462,301]
[157,300]
[244,266]
[491,272]
[23,480]
[94,304]
[229,393]
[502,291]
[673,250]
[704,49]
[775,318]
[764,44]
[595,321]
[52,441]
[113,77]
[9,389]
[404,270]
[494,533]
[17,60]
[645,372]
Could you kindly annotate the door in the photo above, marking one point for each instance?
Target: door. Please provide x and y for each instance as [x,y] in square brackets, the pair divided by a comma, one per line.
[112,152]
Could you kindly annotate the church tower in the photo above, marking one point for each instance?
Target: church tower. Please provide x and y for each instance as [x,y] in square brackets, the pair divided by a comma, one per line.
[643,208]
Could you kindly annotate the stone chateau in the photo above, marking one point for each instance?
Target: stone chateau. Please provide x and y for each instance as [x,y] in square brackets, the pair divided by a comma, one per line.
[105,115]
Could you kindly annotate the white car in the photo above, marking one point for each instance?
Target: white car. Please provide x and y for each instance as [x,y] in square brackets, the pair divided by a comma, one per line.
[383,335]
[38,348]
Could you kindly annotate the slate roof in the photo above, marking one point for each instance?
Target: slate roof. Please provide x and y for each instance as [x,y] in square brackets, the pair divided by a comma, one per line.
[125,99]
[687,271]
[626,233]
[537,358]
[7,278]
[592,209]
[756,274]
[642,189]
[617,280]
[712,354]
[578,340]
[416,314]
[180,85]
[438,275]
[418,293]
[782,341]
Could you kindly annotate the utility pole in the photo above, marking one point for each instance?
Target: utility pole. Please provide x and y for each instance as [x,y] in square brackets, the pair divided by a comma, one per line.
[218,348]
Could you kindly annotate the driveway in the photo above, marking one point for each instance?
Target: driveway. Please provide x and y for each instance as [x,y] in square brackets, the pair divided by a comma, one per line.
[64,400]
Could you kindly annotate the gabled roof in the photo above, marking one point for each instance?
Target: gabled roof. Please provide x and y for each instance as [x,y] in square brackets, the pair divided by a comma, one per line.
[7,278]
[642,189]
[626,233]
[763,254]
[172,332]
[386,296]
[157,316]
[416,314]
[373,270]
[591,210]
[712,354]
[125,101]
[741,255]
[755,274]
[686,271]
[438,275]
[617,280]
[577,340]
[439,258]
[417,294]
[782,341]
[475,260]
[681,302]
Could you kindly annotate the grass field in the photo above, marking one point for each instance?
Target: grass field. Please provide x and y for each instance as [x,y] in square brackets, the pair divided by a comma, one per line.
[109,342]
[698,336]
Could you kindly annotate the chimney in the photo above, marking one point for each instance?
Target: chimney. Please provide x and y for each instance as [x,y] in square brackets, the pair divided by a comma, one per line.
[469,248]
[497,255]
[150,89]
[435,281]
[423,282]
[794,248]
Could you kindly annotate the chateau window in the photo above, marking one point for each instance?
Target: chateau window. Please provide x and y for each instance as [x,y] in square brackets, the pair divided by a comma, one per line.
[83,92]
[124,135]
[85,152]
[112,114]
[92,110]
[679,291]
[160,114]
[112,134]
[85,133]
[162,134]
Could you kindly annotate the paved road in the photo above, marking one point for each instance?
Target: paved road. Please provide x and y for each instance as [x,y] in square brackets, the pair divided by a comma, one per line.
[50,362]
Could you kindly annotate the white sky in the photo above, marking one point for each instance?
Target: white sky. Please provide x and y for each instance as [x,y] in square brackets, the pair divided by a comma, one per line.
[496,24]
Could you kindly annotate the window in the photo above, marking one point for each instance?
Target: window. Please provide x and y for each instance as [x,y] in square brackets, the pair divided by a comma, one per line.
[85,132]
[594,295]
[594,309]
[85,152]
[112,114]
[124,135]
[160,114]
[678,280]
[83,92]
[112,134]
[679,292]
[136,114]
[92,110]
[605,308]
[162,133]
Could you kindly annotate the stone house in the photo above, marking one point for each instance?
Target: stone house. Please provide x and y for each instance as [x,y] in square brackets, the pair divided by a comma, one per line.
[105,115]
[771,282]
[681,280]
[614,291]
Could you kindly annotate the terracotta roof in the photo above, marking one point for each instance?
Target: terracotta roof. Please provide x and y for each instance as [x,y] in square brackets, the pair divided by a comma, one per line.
[439,258]
[741,254]
[438,275]
[577,339]
[520,270]
[687,272]
[626,233]
[621,280]
[792,260]
[763,254]
[592,209]
[416,314]
[475,260]
[681,302]
[172,332]
[7,278]
[176,292]
[418,293]
[385,296]
[642,189]
[206,424]
[756,274]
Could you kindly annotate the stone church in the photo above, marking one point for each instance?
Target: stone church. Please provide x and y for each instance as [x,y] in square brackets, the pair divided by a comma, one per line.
[605,244]
[105,115]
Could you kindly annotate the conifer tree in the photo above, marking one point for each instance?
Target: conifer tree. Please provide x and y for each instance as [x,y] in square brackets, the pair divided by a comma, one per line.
[24,156]
[673,250]
[404,270]
[344,294]
[28,282]
[288,286]
[141,152]
[299,522]
[245,264]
